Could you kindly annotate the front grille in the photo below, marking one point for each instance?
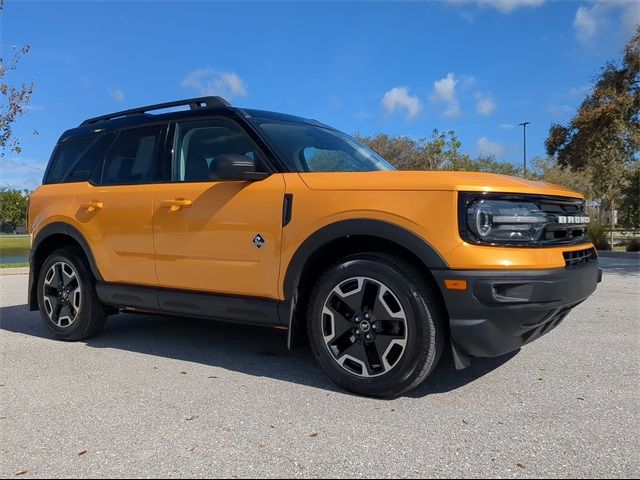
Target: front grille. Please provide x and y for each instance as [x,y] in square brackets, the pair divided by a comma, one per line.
[563,232]
[579,258]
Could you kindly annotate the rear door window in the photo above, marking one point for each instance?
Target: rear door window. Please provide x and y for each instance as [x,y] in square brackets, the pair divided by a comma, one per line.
[75,160]
[133,159]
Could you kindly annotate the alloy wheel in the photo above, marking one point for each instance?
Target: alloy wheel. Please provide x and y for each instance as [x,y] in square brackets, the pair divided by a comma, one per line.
[62,294]
[364,327]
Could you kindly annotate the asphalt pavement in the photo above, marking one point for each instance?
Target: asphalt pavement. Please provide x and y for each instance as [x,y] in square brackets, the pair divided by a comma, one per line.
[158,396]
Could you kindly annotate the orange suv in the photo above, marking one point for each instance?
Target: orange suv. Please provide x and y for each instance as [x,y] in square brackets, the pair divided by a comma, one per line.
[269,219]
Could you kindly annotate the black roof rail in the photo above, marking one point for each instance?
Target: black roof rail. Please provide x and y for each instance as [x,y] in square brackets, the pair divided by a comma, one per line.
[193,103]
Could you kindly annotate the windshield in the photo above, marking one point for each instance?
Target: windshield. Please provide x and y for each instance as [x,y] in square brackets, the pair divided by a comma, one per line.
[310,148]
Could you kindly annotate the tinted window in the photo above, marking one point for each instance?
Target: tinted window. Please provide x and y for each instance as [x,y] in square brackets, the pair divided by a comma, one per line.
[132,157]
[199,143]
[311,148]
[74,160]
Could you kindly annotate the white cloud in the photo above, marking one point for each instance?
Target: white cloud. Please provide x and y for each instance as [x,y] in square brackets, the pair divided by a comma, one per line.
[453,110]
[16,166]
[508,6]
[466,81]
[444,90]
[590,21]
[503,6]
[487,147]
[117,94]
[30,183]
[207,81]
[631,16]
[398,98]
[484,104]
[586,23]
[20,172]
[507,126]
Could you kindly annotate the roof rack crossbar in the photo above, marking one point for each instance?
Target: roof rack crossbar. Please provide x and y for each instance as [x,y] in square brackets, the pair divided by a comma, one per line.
[193,103]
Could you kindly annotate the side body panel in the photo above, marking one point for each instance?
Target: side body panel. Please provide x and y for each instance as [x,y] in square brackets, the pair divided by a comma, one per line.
[49,204]
[209,246]
[427,215]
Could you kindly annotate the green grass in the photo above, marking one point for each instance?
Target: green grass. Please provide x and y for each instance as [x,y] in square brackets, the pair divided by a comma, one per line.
[14,241]
[14,250]
[14,265]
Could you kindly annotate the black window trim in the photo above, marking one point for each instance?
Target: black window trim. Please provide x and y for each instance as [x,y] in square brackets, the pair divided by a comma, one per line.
[173,143]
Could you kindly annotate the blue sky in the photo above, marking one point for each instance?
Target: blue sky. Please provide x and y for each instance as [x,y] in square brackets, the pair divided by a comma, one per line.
[478,67]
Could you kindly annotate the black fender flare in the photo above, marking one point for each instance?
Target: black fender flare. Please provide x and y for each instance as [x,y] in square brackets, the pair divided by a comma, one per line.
[367,227]
[57,228]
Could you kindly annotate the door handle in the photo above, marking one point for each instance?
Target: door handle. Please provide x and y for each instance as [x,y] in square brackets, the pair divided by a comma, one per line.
[175,204]
[92,206]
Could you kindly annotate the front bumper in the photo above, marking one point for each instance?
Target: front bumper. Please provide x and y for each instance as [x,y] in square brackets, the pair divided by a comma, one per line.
[500,311]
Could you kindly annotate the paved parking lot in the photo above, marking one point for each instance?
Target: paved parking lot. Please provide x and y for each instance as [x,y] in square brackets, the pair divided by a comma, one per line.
[167,397]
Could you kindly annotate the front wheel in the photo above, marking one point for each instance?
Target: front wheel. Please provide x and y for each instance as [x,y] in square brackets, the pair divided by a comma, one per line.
[67,297]
[375,326]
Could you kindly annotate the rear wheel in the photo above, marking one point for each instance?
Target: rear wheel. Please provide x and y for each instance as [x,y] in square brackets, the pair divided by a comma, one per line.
[374,325]
[67,299]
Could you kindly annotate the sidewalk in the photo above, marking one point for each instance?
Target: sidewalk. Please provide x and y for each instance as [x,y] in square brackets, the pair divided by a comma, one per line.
[14,271]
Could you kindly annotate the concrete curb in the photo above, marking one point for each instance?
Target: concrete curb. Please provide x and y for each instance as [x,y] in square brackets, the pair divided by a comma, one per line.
[631,255]
[14,271]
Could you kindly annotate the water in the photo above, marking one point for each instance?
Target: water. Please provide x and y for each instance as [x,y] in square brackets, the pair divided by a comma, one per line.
[13,253]
[6,257]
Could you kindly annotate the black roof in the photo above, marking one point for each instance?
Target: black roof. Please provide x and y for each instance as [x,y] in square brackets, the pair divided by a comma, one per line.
[198,107]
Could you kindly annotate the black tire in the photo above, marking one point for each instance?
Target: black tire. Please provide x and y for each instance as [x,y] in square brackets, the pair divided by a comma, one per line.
[420,316]
[71,323]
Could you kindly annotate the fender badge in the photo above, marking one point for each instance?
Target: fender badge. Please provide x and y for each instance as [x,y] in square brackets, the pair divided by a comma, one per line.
[258,241]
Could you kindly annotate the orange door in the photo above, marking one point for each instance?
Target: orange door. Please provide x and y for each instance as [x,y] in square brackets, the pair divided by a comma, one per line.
[217,235]
[205,232]
[115,214]
[116,221]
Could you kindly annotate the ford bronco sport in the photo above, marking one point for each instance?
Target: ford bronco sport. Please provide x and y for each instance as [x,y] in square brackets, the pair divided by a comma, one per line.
[270,219]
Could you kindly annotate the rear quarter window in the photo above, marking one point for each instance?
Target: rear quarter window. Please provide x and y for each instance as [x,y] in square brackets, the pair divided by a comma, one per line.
[75,160]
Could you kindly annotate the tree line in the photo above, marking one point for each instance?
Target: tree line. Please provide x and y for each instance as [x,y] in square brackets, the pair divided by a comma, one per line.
[13,208]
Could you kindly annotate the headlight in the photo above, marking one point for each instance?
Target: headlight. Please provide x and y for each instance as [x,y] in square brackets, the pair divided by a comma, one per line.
[509,219]
[502,220]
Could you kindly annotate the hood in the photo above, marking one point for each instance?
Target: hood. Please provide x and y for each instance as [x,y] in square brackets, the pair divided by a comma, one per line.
[432,181]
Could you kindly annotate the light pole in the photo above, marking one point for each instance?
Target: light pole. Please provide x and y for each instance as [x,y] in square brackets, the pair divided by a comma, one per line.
[524,143]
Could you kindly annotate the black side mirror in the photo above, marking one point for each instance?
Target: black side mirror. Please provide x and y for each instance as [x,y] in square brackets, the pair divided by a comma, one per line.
[231,166]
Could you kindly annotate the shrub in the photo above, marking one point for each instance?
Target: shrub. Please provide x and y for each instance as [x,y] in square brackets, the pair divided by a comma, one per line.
[634,245]
[597,233]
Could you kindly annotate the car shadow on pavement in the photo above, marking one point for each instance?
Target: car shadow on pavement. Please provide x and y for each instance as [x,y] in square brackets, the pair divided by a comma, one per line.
[255,351]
